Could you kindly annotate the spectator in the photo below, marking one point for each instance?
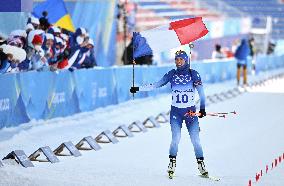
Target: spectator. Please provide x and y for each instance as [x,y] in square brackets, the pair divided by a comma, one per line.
[59,45]
[241,55]
[54,30]
[271,47]
[57,53]
[62,59]
[90,60]
[35,22]
[29,47]
[29,28]
[77,38]
[15,42]
[217,53]
[79,54]
[252,53]
[65,39]
[11,56]
[43,21]
[7,64]
[38,60]
[48,46]
[18,33]
[17,38]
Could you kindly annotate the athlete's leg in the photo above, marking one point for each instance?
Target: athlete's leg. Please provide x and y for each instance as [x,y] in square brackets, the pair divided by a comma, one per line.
[176,125]
[192,125]
[193,130]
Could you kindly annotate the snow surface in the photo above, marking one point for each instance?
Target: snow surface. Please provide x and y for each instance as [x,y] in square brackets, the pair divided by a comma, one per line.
[235,148]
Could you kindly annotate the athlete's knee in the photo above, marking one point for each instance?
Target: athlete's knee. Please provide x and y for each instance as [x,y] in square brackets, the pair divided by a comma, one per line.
[176,139]
[195,140]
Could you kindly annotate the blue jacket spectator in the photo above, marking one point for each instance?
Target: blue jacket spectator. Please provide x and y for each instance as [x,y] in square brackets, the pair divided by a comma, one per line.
[243,50]
[57,50]
[80,58]
[78,37]
[84,52]
[90,60]
[25,65]
[54,31]
[8,66]
[241,55]
[5,64]
[11,56]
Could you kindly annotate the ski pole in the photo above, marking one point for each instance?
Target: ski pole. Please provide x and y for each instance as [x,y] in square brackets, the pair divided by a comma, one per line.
[233,112]
[225,113]
[190,113]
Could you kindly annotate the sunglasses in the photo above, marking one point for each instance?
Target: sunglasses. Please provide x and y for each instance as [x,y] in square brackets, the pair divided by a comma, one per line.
[179,52]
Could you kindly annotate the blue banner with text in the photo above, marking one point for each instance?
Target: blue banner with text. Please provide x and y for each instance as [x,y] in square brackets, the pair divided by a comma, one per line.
[44,95]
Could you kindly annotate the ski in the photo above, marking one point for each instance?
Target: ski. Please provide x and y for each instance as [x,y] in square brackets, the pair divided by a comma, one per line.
[213,178]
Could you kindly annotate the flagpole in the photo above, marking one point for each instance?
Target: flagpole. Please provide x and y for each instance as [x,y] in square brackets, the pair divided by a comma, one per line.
[191,45]
[133,63]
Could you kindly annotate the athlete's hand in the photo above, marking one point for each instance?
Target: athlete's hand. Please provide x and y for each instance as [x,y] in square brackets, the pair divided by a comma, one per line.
[133,90]
[202,113]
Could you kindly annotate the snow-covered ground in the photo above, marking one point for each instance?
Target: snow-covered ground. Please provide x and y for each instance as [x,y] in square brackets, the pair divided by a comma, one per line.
[235,148]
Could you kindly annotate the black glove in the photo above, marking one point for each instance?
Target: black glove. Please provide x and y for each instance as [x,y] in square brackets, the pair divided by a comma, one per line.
[202,113]
[133,90]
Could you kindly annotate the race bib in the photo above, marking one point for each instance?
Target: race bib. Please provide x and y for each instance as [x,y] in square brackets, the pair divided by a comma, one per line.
[183,98]
[183,91]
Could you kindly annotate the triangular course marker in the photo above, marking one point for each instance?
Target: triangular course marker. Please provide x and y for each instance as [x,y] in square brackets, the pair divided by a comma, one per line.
[139,127]
[91,143]
[47,152]
[20,157]
[70,147]
[124,129]
[109,137]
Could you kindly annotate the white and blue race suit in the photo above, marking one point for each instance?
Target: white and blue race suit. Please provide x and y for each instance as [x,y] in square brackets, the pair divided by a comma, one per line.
[184,81]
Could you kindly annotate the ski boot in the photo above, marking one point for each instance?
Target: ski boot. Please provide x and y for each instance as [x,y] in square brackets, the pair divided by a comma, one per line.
[172,166]
[201,167]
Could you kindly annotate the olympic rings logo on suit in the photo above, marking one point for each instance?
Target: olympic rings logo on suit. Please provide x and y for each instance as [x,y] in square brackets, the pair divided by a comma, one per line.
[181,79]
